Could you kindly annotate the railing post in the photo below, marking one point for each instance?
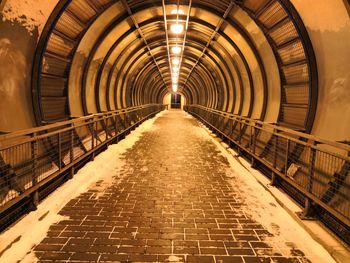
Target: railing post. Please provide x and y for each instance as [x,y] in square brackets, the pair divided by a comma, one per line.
[240,132]
[59,144]
[274,160]
[34,153]
[71,151]
[308,208]
[115,126]
[230,129]
[254,146]
[93,139]
[250,138]
[286,158]
[239,137]
[106,128]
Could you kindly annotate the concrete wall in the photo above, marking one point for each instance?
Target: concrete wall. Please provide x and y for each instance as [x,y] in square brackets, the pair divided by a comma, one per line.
[328,25]
[21,23]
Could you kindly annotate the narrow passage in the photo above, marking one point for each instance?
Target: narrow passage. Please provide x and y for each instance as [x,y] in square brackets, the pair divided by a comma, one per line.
[175,199]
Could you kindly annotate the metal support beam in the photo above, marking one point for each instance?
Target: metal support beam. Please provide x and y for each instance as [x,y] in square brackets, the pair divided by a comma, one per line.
[143,38]
[215,32]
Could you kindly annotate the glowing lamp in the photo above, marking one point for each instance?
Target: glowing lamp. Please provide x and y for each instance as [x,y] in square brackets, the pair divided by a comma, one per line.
[176,61]
[174,88]
[177,11]
[177,28]
[176,50]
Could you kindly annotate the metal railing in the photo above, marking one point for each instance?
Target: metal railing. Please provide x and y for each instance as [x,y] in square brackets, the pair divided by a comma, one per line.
[316,168]
[32,158]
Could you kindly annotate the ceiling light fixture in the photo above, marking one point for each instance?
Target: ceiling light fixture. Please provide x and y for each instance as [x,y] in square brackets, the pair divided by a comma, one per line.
[174,88]
[176,50]
[177,28]
[177,12]
[176,61]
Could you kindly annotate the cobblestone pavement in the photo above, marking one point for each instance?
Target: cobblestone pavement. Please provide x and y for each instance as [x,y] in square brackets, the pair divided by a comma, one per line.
[174,204]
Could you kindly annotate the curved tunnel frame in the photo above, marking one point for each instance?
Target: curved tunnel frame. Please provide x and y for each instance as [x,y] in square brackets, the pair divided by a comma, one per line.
[211,80]
[211,76]
[138,76]
[63,112]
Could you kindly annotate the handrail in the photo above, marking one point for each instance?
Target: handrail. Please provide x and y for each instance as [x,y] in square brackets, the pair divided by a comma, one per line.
[306,136]
[68,122]
[32,158]
[318,173]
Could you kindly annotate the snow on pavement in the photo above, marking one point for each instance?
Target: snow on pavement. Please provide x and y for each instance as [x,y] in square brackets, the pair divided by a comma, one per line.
[264,208]
[18,241]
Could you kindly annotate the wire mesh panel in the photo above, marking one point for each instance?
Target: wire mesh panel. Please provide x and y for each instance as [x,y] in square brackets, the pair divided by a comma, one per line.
[30,159]
[16,171]
[316,168]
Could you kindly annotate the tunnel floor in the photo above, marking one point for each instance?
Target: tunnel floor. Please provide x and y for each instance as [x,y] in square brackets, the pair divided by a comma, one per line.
[175,199]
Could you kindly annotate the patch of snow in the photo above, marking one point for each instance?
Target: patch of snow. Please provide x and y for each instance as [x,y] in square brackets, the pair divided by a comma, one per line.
[30,258]
[144,169]
[105,165]
[11,194]
[173,259]
[30,14]
[262,207]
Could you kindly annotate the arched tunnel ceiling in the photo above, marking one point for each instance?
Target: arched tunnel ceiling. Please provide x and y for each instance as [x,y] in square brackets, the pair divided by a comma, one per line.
[249,57]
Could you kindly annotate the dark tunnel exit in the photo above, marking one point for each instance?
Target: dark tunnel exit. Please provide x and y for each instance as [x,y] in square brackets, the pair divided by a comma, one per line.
[175,101]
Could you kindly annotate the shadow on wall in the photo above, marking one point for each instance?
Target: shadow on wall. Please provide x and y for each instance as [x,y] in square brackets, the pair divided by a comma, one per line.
[21,23]
[15,83]
[334,79]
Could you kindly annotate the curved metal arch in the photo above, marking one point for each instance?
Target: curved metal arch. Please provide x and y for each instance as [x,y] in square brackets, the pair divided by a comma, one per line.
[210,78]
[311,59]
[130,58]
[309,54]
[200,22]
[250,43]
[146,23]
[221,60]
[38,56]
[87,65]
[101,68]
[288,7]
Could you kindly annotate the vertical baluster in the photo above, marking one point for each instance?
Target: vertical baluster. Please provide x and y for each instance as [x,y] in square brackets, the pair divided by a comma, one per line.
[107,128]
[59,146]
[254,145]
[92,134]
[115,126]
[274,159]
[71,150]
[286,158]
[34,153]
[308,202]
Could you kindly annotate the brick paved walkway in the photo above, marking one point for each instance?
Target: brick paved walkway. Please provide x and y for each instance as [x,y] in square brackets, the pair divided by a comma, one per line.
[175,204]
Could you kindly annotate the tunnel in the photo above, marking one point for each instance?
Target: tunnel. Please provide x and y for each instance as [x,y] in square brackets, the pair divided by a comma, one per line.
[269,78]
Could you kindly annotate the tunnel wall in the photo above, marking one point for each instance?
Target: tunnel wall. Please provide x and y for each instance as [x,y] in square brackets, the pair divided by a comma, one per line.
[277,61]
[22,23]
[328,26]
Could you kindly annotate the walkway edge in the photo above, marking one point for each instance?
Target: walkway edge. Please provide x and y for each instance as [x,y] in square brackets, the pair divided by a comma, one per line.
[335,247]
